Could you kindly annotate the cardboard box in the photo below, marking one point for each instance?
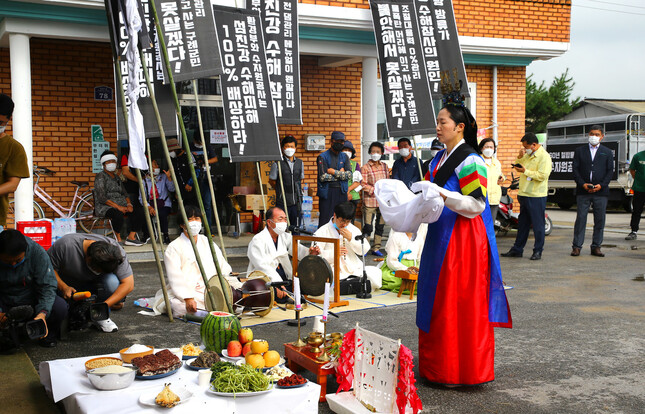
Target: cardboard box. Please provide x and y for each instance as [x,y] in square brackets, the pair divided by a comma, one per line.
[250,202]
[244,190]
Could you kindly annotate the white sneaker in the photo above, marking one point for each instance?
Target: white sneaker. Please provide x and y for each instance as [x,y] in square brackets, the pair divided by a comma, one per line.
[107,325]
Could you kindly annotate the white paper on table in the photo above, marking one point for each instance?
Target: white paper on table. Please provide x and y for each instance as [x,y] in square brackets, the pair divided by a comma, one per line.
[405,211]
[326,302]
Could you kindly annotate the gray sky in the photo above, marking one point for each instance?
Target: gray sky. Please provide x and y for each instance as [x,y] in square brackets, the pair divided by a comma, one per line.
[607,51]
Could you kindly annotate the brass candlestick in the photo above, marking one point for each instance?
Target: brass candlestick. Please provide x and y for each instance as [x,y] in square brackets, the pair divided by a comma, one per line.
[299,342]
[323,355]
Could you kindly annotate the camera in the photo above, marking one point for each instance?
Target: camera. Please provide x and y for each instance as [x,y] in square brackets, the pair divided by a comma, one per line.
[19,324]
[83,311]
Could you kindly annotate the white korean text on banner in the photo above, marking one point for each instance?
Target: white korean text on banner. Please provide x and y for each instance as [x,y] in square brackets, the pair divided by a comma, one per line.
[248,110]
[280,24]
[408,104]
[154,62]
[441,47]
[189,34]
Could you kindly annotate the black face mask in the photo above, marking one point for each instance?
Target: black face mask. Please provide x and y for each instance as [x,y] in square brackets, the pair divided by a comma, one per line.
[337,146]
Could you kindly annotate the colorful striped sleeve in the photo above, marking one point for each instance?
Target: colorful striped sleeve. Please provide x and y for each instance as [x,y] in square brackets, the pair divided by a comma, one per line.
[473,177]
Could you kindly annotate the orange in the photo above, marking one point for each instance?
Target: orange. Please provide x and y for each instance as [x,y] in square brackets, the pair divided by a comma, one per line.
[259,346]
[255,360]
[271,358]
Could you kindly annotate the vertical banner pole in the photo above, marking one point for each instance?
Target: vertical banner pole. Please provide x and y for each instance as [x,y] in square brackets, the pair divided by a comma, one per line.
[154,200]
[224,285]
[418,155]
[264,202]
[208,170]
[124,109]
[284,197]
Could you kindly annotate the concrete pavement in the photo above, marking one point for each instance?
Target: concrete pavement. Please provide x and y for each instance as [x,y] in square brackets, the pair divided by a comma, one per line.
[577,345]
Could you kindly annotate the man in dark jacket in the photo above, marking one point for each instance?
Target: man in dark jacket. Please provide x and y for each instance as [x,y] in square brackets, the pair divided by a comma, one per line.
[593,167]
[293,173]
[334,170]
[27,278]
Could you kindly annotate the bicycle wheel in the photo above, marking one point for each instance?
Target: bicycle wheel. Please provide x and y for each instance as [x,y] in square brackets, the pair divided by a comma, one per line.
[38,213]
[84,214]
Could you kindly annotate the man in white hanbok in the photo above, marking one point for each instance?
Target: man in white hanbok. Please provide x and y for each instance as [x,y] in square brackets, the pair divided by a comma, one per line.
[351,250]
[186,286]
[270,251]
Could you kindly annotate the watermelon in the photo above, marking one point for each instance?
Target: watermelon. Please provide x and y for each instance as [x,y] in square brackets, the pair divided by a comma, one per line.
[218,329]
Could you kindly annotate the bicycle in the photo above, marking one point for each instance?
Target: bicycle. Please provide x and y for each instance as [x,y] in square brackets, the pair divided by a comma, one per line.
[81,208]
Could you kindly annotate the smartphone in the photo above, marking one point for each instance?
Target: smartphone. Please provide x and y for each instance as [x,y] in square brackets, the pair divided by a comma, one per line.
[516,165]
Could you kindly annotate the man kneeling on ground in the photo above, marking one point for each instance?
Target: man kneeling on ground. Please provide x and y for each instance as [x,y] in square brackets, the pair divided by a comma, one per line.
[27,278]
[94,263]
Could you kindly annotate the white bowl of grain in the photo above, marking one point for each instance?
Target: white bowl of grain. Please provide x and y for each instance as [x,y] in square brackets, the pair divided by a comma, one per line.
[111,377]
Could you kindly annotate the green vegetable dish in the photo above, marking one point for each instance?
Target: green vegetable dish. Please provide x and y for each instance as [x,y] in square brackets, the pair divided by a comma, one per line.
[238,379]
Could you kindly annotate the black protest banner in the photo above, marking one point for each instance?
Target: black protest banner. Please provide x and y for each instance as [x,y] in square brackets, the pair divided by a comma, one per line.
[441,47]
[562,159]
[163,93]
[408,104]
[280,25]
[189,32]
[251,128]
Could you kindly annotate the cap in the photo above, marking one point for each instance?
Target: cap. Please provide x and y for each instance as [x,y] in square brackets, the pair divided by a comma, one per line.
[436,144]
[337,136]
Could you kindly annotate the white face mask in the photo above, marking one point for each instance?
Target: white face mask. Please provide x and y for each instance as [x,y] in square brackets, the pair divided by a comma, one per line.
[375,156]
[111,167]
[404,152]
[194,227]
[2,128]
[156,171]
[349,154]
[529,151]
[173,154]
[289,152]
[594,140]
[488,152]
[280,228]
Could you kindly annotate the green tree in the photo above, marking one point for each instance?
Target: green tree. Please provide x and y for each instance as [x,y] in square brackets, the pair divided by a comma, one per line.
[545,105]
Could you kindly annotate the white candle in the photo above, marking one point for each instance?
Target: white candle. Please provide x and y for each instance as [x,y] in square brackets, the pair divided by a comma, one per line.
[326,303]
[296,292]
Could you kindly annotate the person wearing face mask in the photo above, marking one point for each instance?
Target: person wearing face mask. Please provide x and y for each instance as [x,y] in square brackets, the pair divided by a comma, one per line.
[112,201]
[354,182]
[27,278]
[13,160]
[406,168]
[94,263]
[333,175]
[593,168]
[373,171]
[495,176]
[186,288]
[163,187]
[534,165]
[293,173]
[181,165]
[351,250]
[270,249]
[434,149]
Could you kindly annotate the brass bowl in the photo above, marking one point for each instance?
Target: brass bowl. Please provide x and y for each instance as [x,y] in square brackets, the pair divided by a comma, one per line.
[315,341]
[336,335]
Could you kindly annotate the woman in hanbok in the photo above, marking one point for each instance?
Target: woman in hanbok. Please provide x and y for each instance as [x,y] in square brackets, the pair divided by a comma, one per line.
[460,292]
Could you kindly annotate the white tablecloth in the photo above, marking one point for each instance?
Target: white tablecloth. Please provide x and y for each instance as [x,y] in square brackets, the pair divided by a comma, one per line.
[65,380]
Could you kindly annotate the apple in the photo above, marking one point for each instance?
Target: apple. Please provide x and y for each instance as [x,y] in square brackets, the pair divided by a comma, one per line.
[234,349]
[245,335]
[246,349]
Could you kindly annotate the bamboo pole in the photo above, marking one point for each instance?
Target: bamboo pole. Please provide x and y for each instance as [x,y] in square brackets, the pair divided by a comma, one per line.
[154,200]
[223,283]
[284,197]
[418,155]
[208,170]
[264,202]
[124,109]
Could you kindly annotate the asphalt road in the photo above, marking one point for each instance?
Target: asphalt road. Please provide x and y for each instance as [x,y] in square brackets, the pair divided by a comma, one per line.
[577,345]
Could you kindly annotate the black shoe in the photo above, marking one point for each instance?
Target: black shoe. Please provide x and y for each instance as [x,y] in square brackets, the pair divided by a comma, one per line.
[512,253]
[536,256]
[166,239]
[48,342]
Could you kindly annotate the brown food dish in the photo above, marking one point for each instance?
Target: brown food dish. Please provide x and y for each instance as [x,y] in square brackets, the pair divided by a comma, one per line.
[206,359]
[167,398]
[102,362]
[156,364]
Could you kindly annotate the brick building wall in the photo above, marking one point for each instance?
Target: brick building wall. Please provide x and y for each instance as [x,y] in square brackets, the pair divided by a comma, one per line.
[509,19]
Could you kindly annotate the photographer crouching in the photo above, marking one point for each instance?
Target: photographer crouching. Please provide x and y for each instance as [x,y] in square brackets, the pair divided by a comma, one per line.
[96,264]
[28,288]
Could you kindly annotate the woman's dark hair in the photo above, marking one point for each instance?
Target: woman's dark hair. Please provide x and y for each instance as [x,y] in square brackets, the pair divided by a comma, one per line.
[377,145]
[104,256]
[286,140]
[461,115]
[530,138]
[345,210]
[192,211]
[12,243]
[486,141]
